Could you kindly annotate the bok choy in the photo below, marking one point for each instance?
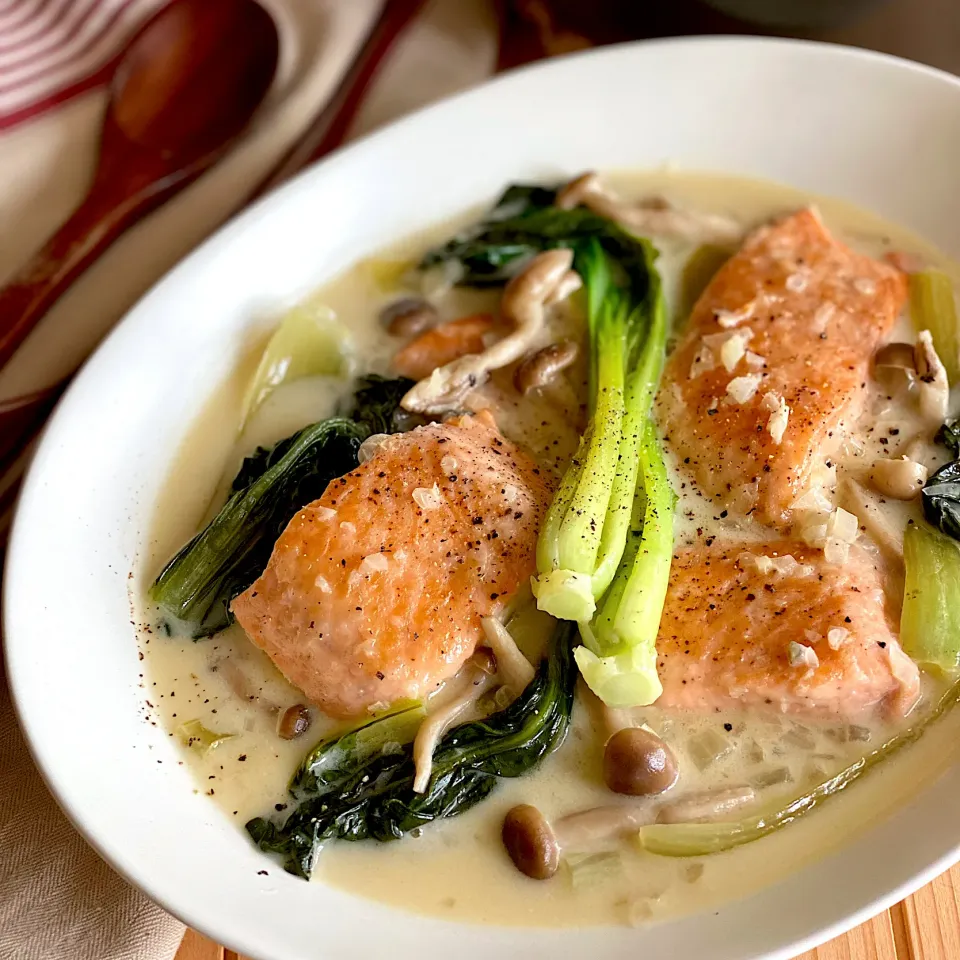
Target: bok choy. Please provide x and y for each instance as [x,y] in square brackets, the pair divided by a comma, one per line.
[700,839]
[933,308]
[930,620]
[346,792]
[604,491]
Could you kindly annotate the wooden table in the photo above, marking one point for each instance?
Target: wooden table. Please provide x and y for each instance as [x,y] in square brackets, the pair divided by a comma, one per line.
[925,926]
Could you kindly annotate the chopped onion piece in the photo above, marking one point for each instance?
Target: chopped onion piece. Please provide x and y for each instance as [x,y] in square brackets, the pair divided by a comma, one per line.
[322,584]
[779,415]
[587,870]
[836,551]
[703,362]
[843,525]
[837,637]
[742,389]
[374,563]
[731,318]
[754,361]
[428,498]
[796,282]
[707,747]
[814,499]
[802,656]
[324,513]
[785,566]
[449,464]
[733,350]
[866,286]
[715,341]
[371,446]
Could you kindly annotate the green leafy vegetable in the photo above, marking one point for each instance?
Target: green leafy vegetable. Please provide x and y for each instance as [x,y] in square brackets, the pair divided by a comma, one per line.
[699,839]
[331,762]
[376,404]
[941,499]
[949,436]
[361,795]
[309,342]
[525,222]
[617,480]
[222,560]
[584,536]
[933,308]
[930,621]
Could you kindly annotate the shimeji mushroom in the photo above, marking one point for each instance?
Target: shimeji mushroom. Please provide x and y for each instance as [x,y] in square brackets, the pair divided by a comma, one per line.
[535,845]
[547,279]
[656,217]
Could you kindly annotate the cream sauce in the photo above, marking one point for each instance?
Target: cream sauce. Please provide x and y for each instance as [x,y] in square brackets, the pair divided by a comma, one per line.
[232,688]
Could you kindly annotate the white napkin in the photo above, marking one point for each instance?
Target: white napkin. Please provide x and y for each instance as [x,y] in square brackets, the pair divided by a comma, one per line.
[58,900]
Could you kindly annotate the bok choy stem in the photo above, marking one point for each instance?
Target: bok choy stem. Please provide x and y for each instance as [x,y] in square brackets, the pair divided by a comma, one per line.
[930,620]
[619,656]
[933,308]
[584,535]
[700,839]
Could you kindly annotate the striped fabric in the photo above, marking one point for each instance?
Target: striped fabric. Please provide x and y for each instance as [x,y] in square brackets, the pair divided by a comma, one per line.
[51,50]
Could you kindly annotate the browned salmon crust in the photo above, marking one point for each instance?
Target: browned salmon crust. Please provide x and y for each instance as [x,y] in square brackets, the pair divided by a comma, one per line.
[814,313]
[725,635]
[375,592]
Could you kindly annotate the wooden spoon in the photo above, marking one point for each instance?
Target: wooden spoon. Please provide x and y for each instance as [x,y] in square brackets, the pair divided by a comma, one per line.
[185,88]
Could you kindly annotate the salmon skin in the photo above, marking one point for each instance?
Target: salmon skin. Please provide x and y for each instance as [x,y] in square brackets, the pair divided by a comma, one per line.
[375,592]
[732,613]
[770,372]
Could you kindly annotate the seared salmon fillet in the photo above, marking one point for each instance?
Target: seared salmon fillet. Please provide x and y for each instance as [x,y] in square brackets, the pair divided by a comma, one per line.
[771,369]
[731,615]
[375,592]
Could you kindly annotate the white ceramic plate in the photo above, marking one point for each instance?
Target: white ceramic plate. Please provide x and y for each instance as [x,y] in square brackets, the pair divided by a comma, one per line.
[882,133]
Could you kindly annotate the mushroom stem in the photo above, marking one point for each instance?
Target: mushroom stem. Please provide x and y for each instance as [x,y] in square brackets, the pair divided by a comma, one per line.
[475,679]
[535,845]
[515,670]
[584,829]
[648,217]
[705,806]
[524,302]
[860,502]
[934,388]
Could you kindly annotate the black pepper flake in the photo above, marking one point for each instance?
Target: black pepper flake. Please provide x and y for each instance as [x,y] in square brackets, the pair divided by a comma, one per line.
[242,757]
[728,727]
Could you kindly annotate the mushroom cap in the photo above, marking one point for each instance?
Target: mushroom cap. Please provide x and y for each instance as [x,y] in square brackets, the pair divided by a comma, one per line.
[638,763]
[531,842]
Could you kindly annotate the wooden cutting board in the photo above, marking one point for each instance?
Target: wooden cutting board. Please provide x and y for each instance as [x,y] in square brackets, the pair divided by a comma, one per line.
[925,926]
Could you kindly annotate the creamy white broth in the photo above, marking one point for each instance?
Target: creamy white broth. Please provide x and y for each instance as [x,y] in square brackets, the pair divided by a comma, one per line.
[458,868]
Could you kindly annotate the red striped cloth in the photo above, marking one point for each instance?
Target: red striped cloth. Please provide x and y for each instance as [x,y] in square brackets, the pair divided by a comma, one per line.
[51,50]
